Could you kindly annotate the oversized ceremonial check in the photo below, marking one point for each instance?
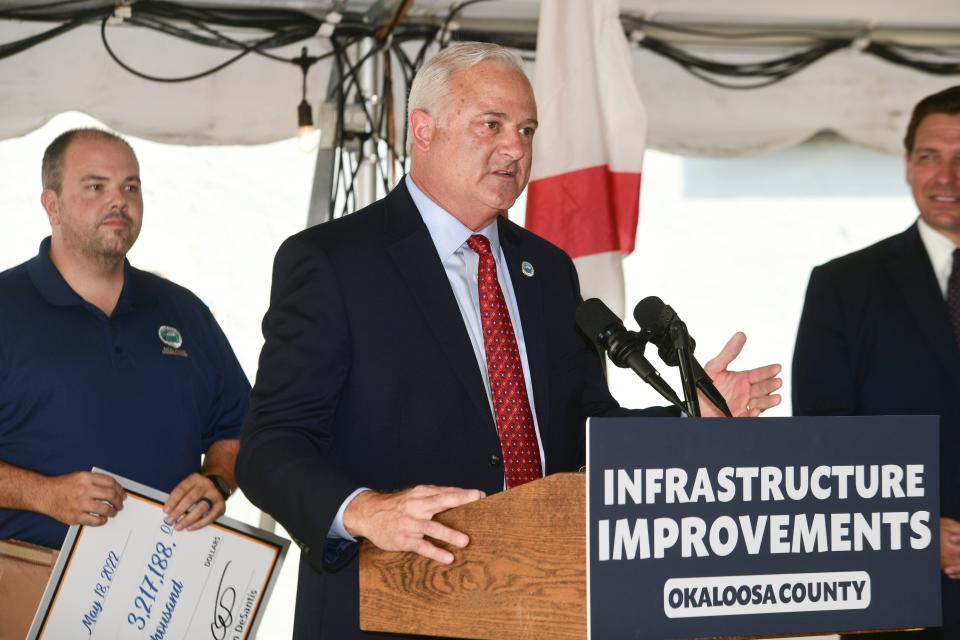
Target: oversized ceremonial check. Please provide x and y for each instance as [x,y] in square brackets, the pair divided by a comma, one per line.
[137,578]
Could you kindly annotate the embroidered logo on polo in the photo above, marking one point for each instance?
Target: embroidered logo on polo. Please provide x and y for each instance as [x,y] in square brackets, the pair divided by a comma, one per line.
[170,336]
[172,340]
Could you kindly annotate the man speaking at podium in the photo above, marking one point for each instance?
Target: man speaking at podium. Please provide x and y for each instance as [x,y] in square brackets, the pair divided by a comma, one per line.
[425,344]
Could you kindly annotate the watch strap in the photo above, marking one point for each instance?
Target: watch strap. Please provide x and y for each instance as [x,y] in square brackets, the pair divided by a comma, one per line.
[221,484]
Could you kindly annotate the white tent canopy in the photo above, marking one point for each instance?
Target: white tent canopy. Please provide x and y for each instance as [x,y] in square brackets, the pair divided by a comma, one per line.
[861,97]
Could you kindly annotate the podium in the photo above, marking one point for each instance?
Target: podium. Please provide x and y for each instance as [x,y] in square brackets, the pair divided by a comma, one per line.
[24,571]
[522,577]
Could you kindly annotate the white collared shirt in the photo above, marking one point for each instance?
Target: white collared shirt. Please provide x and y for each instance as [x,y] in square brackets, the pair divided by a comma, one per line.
[940,251]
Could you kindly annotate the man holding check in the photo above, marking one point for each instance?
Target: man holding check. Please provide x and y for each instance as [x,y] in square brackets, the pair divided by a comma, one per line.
[104,365]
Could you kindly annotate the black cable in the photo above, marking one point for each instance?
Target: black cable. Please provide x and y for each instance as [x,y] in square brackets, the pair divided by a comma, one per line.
[638,23]
[245,48]
[353,68]
[340,97]
[272,40]
[36,12]
[953,52]
[408,72]
[520,41]
[288,26]
[376,128]
[196,76]
[347,80]
[771,71]
[352,83]
[386,94]
[12,48]
[890,54]
[173,30]
[729,85]
[247,18]
[39,7]
[405,64]
[454,11]
[347,168]
[349,195]
[257,47]
[765,68]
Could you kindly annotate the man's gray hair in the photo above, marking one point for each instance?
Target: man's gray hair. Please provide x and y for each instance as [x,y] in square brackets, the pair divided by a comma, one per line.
[430,90]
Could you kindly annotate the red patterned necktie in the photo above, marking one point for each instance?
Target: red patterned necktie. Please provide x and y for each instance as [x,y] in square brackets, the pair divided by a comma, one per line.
[518,439]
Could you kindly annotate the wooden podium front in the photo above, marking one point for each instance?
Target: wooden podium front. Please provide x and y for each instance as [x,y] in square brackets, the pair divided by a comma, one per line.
[522,577]
[24,571]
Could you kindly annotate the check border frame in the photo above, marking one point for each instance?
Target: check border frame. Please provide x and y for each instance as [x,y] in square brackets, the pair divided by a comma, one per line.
[139,491]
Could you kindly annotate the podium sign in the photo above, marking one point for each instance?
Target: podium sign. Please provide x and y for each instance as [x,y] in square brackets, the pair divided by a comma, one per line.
[751,527]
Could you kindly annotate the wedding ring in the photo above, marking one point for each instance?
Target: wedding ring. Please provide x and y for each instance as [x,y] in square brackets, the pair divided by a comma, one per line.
[209,503]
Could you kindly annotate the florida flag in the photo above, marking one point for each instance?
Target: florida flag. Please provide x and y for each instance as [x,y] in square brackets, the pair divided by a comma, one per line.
[584,193]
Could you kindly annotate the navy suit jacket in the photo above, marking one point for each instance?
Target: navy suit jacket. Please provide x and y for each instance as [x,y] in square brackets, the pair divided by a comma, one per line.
[875,339]
[368,378]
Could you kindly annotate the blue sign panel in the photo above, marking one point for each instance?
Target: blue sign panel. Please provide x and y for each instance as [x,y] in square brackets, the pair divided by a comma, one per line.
[701,528]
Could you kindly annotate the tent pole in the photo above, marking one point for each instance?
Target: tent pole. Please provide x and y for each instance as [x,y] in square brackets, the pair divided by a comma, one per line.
[369,75]
[319,210]
[322,193]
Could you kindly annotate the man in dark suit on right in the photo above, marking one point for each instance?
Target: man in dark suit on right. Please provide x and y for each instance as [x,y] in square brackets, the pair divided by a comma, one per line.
[880,330]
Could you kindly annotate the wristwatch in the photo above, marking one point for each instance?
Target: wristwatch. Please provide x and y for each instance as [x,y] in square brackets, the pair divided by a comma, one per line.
[222,486]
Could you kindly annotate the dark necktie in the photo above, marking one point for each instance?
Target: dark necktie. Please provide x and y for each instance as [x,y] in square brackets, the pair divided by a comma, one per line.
[953,295]
[511,407]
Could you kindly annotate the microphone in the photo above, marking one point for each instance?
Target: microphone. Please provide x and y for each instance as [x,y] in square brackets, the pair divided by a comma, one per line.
[661,326]
[625,348]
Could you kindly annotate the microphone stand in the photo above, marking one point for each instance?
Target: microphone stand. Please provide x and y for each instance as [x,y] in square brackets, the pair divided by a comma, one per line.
[628,353]
[688,376]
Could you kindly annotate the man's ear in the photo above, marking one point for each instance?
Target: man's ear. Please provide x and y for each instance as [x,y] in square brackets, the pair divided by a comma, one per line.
[422,128]
[51,204]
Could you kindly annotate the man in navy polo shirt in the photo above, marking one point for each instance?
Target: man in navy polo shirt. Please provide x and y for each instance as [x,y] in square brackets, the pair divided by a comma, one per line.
[103,365]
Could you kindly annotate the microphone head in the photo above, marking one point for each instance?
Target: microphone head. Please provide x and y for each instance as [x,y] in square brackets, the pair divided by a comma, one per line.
[655,318]
[595,320]
[652,315]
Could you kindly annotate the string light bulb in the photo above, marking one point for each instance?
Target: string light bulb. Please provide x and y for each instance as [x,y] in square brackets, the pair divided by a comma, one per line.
[308,136]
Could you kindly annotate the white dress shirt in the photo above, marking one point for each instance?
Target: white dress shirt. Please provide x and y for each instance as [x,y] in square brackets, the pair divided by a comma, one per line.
[940,251]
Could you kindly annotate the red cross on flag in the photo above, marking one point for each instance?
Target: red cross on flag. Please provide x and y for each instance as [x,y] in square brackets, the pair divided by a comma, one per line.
[584,193]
